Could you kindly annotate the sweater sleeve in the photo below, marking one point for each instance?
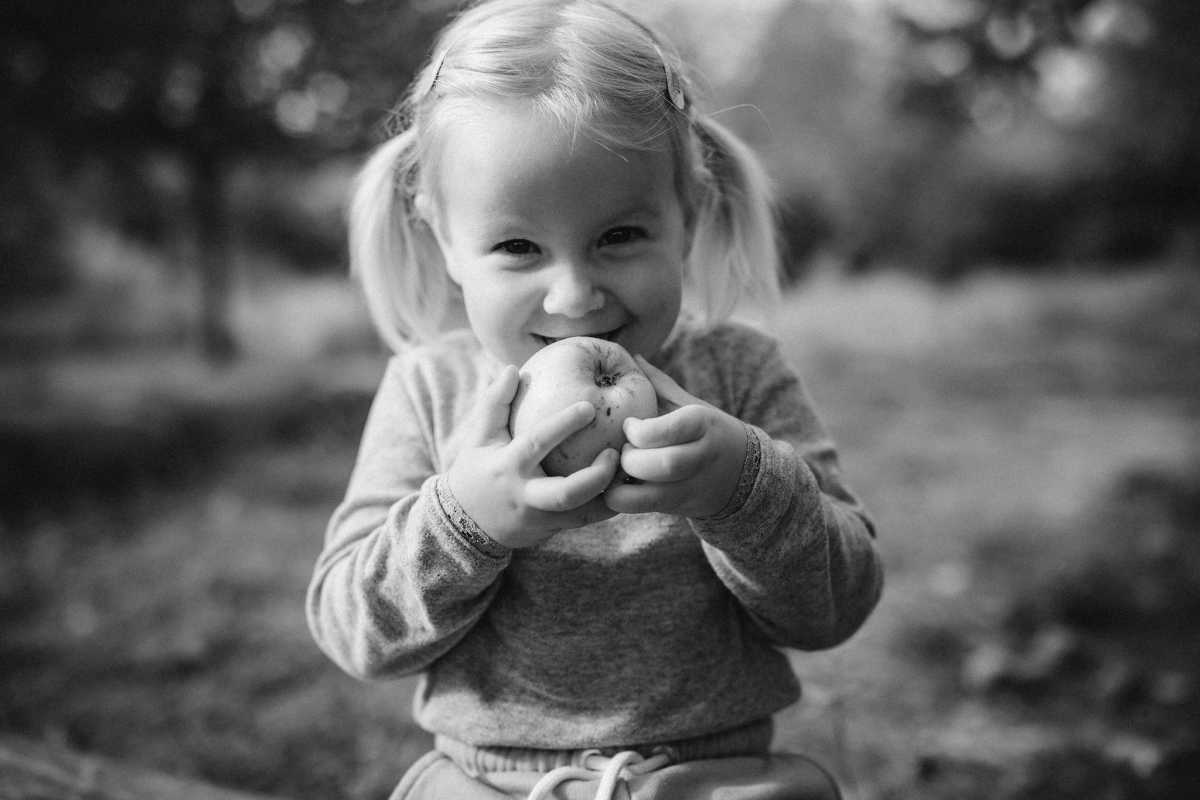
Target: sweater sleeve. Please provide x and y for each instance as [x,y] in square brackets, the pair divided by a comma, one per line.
[404,572]
[795,545]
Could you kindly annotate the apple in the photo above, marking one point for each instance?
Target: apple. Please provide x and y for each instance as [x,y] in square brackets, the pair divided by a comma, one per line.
[582,368]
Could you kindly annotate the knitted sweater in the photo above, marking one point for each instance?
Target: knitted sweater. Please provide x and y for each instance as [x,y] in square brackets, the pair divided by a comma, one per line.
[643,628]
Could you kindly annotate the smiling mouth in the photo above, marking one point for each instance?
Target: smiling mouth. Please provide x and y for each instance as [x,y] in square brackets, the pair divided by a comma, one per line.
[609,336]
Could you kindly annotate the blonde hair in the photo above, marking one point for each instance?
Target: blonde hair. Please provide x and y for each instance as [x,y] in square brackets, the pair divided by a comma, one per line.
[598,71]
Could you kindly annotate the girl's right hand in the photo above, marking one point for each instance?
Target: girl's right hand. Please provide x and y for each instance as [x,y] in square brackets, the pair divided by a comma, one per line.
[498,479]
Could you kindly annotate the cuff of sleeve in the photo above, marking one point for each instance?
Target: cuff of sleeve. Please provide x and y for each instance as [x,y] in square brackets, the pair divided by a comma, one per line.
[773,481]
[464,525]
[751,460]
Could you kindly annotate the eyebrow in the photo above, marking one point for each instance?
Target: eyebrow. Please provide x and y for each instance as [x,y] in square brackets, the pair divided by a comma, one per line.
[639,209]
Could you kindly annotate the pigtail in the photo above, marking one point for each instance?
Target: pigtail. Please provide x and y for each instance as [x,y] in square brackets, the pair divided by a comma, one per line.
[392,250]
[735,251]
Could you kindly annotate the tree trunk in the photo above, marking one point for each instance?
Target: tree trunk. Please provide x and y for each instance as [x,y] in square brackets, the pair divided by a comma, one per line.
[217,341]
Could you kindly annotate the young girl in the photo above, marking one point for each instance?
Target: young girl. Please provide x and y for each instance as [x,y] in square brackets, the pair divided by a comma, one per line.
[579,636]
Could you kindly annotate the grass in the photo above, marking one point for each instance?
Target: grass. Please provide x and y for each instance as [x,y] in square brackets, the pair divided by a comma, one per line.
[153,603]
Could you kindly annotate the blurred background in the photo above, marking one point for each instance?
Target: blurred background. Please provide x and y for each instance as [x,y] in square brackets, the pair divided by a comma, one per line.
[991,212]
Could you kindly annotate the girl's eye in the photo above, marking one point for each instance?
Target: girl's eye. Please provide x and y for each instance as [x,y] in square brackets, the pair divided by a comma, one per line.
[516,247]
[622,235]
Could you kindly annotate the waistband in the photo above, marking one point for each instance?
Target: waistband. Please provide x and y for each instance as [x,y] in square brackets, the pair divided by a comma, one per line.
[753,738]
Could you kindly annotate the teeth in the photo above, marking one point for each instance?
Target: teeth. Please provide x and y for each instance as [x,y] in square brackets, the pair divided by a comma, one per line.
[606,335]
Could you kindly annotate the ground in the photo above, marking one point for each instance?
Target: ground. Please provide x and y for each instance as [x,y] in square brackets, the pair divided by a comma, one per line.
[1028,446]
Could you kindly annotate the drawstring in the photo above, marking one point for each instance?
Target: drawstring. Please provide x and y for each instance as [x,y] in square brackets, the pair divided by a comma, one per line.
[620,767]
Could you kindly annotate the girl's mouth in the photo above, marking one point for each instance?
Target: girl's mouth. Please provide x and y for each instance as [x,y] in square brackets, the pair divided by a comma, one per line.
[610,336]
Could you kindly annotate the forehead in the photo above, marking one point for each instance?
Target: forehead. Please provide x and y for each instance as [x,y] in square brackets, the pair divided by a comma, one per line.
[508,154]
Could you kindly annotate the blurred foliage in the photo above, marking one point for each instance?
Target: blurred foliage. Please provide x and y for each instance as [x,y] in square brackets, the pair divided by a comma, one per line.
[943,134]
[1114,78]
[286,80]
[163,101]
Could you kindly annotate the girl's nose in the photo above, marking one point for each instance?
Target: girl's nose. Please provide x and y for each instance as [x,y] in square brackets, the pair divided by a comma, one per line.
[572,292]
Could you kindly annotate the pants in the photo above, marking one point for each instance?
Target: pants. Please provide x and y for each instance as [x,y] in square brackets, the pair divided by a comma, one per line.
[706,768]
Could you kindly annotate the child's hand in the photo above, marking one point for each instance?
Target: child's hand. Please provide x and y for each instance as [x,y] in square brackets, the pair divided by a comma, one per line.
[688,460]
[498,481]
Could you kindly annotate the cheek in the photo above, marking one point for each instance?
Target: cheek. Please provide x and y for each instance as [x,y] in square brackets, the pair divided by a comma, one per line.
[658,295]
[496,297]
[665,283]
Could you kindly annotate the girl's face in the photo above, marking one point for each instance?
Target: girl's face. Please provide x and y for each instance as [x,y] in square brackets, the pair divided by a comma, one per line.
[551,235]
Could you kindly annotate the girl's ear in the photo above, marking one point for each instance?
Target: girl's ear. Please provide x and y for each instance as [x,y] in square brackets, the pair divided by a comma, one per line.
[689,228]
[427,213]
[425,210]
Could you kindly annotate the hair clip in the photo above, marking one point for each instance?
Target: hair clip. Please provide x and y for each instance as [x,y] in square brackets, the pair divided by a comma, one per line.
[437,71]
[675,93]
[674,90]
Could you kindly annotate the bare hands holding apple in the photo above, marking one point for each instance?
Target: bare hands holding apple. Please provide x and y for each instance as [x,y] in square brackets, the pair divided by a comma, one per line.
[688,460]
[497,478]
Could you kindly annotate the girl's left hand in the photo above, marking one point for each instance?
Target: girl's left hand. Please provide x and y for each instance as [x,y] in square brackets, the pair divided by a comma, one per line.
[688,460]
